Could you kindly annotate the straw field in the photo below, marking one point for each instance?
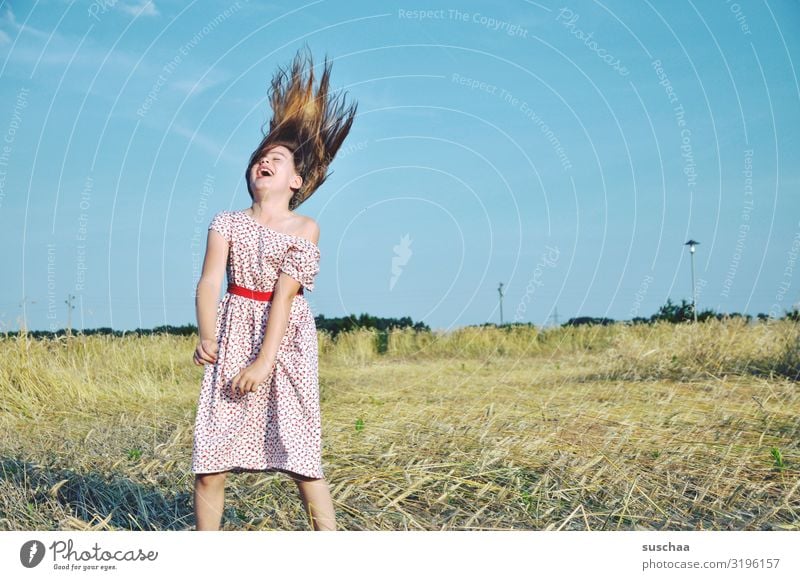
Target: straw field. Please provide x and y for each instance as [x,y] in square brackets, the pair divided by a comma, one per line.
[652,427]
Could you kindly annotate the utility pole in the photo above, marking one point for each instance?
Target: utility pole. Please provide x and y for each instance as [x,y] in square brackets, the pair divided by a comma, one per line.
[68,302]
[500,291]
[692,244]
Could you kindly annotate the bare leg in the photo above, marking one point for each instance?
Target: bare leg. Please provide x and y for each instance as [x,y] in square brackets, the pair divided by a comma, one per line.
[317,502]
[209,500]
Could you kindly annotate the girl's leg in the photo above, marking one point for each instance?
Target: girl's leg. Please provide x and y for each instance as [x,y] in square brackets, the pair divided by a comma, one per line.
[209,500]
[317,502]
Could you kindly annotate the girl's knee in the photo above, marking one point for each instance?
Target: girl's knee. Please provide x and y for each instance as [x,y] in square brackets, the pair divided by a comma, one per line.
[305,479]
[297,477]
[311,486]
[213,479]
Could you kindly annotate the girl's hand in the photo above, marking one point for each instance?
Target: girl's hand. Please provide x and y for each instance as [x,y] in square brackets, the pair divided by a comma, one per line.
[206,352]
[249,378]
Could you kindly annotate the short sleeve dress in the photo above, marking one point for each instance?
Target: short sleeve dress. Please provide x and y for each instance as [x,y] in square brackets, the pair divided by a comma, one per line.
[278,426]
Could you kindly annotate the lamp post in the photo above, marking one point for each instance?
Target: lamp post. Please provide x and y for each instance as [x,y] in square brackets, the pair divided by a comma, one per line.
[692,244]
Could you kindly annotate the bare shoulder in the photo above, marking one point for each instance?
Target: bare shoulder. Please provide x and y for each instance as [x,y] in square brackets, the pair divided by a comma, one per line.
[308,228]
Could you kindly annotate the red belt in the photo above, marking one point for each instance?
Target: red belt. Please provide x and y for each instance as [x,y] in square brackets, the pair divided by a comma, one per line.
[253,294]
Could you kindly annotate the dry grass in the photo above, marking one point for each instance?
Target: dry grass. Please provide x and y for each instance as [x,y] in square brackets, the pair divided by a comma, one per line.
[593,428]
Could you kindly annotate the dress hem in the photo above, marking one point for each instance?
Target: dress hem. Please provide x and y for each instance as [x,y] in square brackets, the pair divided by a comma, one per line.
[239,469]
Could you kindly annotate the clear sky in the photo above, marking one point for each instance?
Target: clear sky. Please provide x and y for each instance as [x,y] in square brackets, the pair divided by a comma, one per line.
[565,150]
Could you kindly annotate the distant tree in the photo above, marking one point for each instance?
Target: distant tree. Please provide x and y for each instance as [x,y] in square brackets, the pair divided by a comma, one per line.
[505,326]
[682,312]
[731,315]
[581,320]
[346,323]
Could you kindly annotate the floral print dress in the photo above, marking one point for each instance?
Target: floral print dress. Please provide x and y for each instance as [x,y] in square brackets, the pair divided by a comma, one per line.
[278,426]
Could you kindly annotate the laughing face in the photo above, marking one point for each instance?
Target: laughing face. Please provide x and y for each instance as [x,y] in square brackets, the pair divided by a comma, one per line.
[275,171]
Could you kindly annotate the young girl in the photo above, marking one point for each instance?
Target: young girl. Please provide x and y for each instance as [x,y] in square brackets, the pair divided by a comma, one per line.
[259,401]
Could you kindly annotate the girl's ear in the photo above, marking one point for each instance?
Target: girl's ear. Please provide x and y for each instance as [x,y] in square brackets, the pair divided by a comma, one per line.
[297,181]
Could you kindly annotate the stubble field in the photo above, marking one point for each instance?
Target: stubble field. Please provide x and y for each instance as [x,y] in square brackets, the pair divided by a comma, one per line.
[664,427]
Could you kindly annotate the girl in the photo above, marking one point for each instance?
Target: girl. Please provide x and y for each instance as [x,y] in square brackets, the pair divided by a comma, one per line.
[259,401]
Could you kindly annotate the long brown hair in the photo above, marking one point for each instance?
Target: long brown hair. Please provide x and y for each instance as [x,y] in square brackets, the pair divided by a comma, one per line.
[313,127]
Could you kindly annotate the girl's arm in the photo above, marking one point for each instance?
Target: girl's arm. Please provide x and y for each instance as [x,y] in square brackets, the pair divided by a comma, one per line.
[207,296]
[257,372]
[285,289]
[278,321]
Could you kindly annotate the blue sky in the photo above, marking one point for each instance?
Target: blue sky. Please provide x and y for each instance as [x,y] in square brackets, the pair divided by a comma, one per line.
[565,150]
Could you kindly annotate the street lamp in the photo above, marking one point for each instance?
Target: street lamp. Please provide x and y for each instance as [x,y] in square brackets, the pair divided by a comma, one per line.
[692,244]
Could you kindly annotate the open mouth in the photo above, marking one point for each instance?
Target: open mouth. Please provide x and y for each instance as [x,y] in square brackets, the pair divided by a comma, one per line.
[264,173]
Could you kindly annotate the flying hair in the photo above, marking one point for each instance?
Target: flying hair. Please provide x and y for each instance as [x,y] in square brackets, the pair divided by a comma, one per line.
[312,126]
